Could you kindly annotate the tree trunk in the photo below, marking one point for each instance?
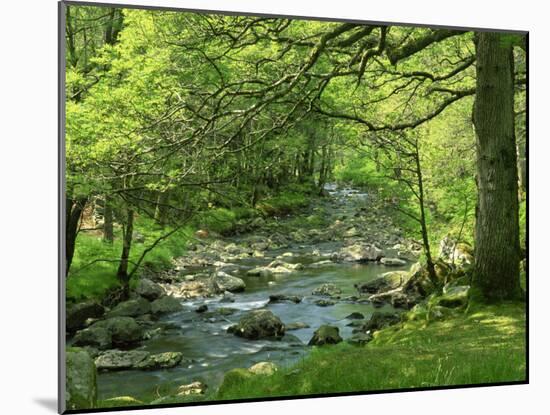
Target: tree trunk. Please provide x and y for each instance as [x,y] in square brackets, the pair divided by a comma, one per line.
[127,233]
[108,221]
[497,254]
[423,225]
[74,209]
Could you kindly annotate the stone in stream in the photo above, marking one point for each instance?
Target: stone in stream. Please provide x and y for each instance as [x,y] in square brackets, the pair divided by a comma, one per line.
[81,380]
[166,305]
[98,337]
[112,360]
[278,298]
[325,335]
[120,360]
[296,326]
[324,303]
[149,289]
[202,308]
[259,272]
[355,316]
[221,281]
[104,333]
[360,253]
[194,388]
[259,324]
[394,262]
[328,289]
[78,314]
[387,281]
[131,308]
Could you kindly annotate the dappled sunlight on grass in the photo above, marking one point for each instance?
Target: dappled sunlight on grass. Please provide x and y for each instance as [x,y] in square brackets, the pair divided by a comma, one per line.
[484,346]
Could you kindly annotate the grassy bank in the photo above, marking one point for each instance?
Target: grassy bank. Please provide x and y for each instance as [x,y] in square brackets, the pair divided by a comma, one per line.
[484,345]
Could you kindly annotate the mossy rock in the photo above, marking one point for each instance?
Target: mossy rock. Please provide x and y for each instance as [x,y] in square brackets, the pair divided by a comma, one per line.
[325,335]
[131,308]
[81,380]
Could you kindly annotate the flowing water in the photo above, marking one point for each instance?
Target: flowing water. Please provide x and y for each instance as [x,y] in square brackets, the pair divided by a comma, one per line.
[209,351]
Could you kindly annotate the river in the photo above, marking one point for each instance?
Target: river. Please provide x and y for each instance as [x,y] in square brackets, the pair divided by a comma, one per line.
[209,351]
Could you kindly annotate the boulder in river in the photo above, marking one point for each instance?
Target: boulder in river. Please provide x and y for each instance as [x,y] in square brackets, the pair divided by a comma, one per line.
[78,314]
[325,335]
[157,361]
[392,262]
[279,298]
[122,331]
[81,380]
[221,281]
[149,289]
[296,326]
[328,289]
[131,308]
[324,302]
[166,305]
[259,324]
[259,272]
[360,253]
[95,336]
[120,360]
[385,282]
[355,316]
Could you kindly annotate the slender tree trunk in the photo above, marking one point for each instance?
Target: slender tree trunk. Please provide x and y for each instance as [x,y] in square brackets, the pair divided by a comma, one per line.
[423,225]
[127,233]
[497,253]
[108,221]
[74,209]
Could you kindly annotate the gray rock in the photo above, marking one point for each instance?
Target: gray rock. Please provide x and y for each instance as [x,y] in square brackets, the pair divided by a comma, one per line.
[393,262]
[387,281]
[221,281]
[355,316]
[149,289]
[259,324]
[325,335]
[124,330]
[81,380]
[328,289]
[166,305]
[164,360]
[131,308]
[296,326]
[120,360]
[78,314]
[324,303]
[360,253]
[278,298]
[94,336]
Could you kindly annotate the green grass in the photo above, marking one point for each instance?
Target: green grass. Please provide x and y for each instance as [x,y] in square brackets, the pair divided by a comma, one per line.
[483,346]
[93,281]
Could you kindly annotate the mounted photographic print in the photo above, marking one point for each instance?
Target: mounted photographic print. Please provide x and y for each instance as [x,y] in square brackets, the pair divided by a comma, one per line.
[262,207]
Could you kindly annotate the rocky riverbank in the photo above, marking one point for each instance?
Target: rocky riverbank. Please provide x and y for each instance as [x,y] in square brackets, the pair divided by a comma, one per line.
[346,232]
